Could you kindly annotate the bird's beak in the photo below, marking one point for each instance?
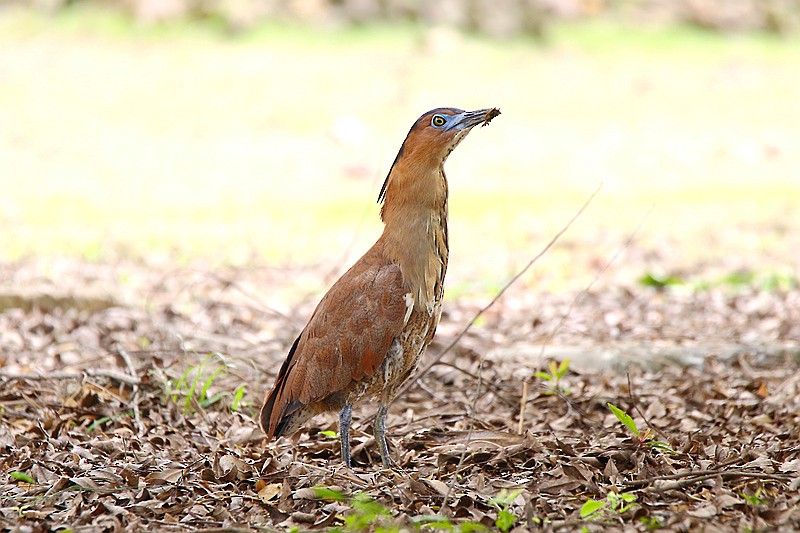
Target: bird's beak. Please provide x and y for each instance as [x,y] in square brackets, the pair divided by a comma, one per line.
[469,119]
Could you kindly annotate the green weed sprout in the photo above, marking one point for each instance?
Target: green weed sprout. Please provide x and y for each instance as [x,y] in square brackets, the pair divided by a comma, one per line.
[367,515]
[505,518]
[644,439]
[754,500]
[614,504]
[554,375]
[196,382]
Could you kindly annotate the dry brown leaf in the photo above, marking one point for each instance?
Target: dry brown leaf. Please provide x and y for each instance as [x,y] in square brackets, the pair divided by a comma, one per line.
[790,466]
[762,463]
[166,476]
[724,501]
[440,487]
[703,511]
[270,491]
[85,483]
[307,493]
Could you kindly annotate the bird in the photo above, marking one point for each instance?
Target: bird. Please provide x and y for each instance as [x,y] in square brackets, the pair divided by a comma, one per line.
[368,332]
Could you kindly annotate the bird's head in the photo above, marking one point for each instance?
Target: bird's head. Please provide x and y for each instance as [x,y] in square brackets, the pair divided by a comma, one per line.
[436,133]
[433,136]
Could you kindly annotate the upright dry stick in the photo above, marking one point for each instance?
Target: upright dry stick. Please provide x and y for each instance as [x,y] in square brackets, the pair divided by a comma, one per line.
[523,401]
[137,417]
[471,416]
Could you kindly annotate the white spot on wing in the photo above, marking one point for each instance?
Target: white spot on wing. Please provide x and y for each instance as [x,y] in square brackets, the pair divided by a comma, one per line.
[409,306]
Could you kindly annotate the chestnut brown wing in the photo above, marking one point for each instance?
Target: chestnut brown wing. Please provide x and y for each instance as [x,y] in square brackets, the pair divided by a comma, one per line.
[344,342]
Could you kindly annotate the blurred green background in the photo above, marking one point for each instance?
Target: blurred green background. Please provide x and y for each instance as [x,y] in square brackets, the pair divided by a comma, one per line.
[181,134]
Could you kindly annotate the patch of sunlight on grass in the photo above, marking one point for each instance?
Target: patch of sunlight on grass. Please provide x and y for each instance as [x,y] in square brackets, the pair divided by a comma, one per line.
[181,141]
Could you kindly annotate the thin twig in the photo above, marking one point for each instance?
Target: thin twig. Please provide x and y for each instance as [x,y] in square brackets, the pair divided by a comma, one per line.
[682,483]
[586,290]
[635,404]
[336,473]
[137,415]
[522,403]
[500,393]
[227,282]
[91,372]
[430,392]
[471,416]
[682,479]
[501,292]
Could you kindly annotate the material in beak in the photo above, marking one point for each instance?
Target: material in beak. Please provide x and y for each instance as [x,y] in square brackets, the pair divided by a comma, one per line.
[470,119]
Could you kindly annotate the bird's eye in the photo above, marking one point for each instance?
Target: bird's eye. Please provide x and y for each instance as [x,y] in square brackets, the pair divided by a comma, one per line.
[438,121]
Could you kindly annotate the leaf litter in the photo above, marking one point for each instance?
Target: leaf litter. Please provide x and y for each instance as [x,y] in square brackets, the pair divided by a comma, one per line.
[122,418]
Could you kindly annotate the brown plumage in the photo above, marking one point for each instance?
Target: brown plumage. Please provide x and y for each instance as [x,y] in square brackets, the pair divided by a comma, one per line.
[369,331]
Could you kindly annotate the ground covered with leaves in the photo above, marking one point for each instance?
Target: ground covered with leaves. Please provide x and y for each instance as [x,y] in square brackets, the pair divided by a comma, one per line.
[128,394]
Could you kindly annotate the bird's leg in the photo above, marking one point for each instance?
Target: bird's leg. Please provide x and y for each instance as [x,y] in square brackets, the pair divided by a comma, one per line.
[345,418]
[380,434]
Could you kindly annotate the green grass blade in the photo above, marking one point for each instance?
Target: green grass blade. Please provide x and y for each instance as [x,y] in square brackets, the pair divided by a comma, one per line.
[209,382]
[591,507]
[625,418]
[325,493]
[238,396]
[22,476]
[563,367]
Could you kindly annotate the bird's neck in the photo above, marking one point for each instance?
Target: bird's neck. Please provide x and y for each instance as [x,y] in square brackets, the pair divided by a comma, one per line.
[415,234]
